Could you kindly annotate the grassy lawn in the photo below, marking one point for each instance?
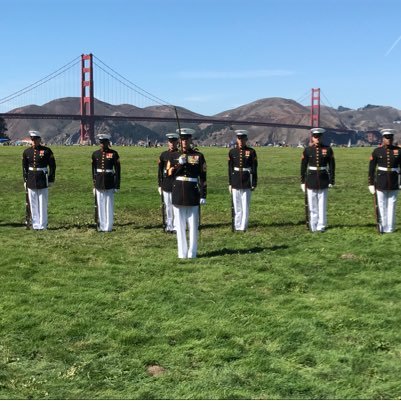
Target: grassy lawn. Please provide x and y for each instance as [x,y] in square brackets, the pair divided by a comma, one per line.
[277,312]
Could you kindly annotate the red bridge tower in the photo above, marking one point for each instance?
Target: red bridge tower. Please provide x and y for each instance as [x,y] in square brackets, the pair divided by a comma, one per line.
[87,100]
[315,108]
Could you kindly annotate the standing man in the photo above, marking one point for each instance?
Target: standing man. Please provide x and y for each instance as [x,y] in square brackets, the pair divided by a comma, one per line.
[384,172]
[106,174]
[317,175]
[189,192]
[166,160]
[39,173]
[242,179]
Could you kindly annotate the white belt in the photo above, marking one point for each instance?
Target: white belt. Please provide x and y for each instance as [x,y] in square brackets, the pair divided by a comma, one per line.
[317,168]
[249,170]
[389,169]
[44,169]
[100,170]
[190,179]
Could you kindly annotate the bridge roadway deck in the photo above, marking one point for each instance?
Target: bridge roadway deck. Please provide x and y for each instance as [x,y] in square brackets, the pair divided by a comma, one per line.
[193,120]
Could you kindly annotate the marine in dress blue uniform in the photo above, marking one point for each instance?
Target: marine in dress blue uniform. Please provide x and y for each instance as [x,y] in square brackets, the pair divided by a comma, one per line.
[242,178]
[317,175]
[106,174]
[188,193]
[39,173]
[167,159]
[384,173]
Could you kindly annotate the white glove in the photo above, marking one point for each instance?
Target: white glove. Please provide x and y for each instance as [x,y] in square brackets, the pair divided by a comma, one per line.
[303,187]
[94,191]
[182,159]
[230,189]
[202,201]
[159,190]
[331,185]
[372,189]
[116,190]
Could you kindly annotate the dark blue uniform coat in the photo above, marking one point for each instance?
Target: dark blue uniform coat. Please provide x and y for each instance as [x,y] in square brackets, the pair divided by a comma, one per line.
[388,157]
[321,159]
[38,157]
[242,168]
[106,160]
[186,193]
[167,159]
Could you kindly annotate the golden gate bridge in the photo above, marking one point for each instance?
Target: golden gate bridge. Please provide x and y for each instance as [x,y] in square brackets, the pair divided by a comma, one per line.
[88,117]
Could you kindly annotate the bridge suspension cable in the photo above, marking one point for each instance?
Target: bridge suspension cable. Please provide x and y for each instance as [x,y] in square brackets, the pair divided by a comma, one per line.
[129,84]
[303,98]
[337,114]
[67,67]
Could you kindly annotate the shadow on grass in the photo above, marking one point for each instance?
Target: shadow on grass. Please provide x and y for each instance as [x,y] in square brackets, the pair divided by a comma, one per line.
[136,226]
[92,226]
[253,225]
[7,224]
[228,251]
[79,226]
[257,225]
[352,225]
[302,223]
[214,225]
[279,224]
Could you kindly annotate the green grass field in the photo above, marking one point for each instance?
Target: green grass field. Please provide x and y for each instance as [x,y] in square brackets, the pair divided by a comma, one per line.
[275,313]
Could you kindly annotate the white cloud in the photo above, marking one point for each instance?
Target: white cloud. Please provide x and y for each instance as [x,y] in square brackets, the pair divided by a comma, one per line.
[250,74]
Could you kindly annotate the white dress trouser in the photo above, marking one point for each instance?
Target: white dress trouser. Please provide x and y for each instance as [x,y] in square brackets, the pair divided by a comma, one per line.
[387,202]
[184,215]
[38,199]
[317,200]
[241,200]
[168,209]
[105,209]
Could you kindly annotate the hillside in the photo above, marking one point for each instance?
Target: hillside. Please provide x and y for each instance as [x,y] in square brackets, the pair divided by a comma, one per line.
[363,120]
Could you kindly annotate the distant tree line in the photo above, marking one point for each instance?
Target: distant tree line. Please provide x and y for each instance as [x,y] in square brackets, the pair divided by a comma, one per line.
[3,128]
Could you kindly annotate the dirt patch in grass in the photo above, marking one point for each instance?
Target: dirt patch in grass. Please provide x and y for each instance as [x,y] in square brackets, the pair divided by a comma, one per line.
[349,256]
[155,370]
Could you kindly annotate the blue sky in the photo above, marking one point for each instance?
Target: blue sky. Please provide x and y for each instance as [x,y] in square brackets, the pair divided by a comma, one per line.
[214,55]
